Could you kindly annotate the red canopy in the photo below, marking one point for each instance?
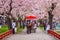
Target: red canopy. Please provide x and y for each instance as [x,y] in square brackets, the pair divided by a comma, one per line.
[30,17]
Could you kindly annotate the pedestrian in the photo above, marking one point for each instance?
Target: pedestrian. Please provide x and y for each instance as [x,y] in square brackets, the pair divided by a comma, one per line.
[0,25]
[48,27]
[0,22]
[38,24]
[24,24]
[32,26]
[54,25]
[14,26]
[59,25]
[15,30]
[44,24]
[35,27]
[28,27]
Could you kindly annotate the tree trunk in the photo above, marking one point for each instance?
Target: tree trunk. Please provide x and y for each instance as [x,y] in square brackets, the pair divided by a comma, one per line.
[16,23]
[50,19]
[19,20]
[40,20]
[9,23]
[51,15]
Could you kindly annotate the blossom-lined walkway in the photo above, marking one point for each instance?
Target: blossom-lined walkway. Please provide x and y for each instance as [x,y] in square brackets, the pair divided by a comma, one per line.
[39,35]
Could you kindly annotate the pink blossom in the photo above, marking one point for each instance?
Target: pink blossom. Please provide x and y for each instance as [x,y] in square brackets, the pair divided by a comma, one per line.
[29,7]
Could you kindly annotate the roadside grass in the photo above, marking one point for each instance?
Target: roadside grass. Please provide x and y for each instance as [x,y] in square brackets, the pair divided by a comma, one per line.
[41,27]
[3,29]
[19,30]
[58,32]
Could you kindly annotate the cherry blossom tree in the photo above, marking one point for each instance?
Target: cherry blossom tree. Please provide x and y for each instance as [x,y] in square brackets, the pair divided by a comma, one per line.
[50,12]
[14,9]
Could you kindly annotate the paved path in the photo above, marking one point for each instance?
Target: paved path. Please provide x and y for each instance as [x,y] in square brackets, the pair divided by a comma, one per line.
[39,35]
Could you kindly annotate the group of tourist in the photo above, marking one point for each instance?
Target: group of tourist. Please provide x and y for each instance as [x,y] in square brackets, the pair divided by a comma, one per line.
[46,26]
[31,26]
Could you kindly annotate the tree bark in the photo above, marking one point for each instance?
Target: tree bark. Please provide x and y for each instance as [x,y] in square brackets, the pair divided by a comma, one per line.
[50,14]
[50,19]
[9,23]
[20,22]
[8,18]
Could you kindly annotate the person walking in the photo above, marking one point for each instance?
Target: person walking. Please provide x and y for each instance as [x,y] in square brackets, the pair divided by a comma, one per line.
[35,27]
[54,25]
[24,24]
[32,26]
[38,24]
[48,27]
[44,24]
[14,26]
[0,22]
[28,27]
[15,30]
